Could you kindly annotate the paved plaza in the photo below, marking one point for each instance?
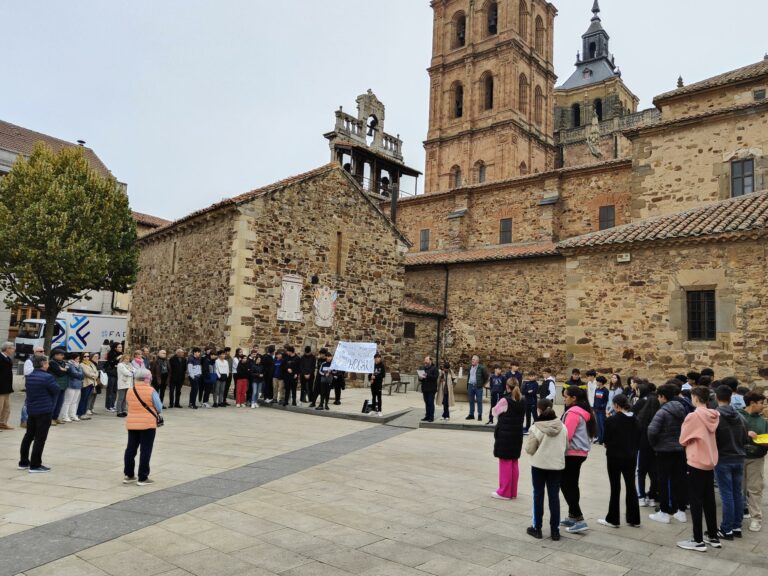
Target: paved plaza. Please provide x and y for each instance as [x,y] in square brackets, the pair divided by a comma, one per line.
[261,492]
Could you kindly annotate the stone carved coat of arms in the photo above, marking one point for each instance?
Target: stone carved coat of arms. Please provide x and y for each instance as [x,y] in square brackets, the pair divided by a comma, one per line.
[325,306]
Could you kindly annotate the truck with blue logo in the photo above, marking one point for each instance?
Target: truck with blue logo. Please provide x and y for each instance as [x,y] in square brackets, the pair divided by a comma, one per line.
[74,332]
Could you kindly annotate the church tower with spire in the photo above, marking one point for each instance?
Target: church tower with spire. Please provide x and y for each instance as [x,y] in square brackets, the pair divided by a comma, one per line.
[591,102]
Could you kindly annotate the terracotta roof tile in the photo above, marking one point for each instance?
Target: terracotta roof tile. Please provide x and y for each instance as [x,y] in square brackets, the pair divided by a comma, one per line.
[746,73]
[490,254]
[415,307]
[149,220]
[22,141]
[733,216]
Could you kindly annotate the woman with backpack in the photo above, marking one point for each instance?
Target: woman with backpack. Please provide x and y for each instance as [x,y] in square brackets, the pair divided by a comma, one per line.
[508,439]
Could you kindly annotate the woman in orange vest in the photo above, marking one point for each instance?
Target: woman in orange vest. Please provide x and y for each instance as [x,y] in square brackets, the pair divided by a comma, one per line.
[144,408]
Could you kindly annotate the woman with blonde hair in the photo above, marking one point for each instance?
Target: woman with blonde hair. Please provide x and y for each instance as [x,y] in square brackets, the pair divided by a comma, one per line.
[510,413]
[90,378]
[125,370]
[445,397]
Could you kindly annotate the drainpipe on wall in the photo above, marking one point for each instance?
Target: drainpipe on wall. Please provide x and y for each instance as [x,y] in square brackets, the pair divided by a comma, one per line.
[445,315]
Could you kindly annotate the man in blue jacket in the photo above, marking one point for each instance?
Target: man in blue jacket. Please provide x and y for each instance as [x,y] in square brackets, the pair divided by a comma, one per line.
[42,393]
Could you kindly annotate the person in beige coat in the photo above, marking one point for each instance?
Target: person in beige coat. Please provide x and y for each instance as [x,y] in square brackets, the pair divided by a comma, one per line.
[445,383]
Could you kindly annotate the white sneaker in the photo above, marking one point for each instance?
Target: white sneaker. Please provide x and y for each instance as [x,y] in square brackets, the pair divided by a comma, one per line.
[662,517]
[691,545]
[498,496]
[90,412]
[75,419]
[755,525]
[66,419]
[644,502]
[378,414]
[680,516]
[604,522]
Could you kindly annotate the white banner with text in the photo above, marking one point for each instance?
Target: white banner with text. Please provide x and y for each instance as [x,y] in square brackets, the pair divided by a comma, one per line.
[354,357]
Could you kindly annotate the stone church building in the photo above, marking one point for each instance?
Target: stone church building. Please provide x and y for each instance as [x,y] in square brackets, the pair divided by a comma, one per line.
[563,227]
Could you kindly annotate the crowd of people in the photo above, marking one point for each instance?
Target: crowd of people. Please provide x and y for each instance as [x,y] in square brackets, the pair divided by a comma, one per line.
[670,446]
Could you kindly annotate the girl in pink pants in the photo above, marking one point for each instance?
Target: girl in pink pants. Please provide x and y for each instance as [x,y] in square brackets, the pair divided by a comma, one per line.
[509,413]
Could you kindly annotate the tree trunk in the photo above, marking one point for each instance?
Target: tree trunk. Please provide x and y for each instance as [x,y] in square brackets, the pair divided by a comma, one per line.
[51,313]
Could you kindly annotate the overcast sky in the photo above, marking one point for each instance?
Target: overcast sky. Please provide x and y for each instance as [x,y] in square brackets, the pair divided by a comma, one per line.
[191,101]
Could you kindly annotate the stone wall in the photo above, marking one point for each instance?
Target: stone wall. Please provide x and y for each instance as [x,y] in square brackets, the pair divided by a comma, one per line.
[711,100]
[681,166]
[184,302]
[423,344]
[499,311]
[633,316]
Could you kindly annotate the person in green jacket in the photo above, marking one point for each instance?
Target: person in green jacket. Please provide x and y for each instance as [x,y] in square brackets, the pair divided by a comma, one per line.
[755,457]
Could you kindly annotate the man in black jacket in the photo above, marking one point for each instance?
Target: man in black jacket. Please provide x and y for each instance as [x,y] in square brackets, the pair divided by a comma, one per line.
[731,439]
[177,371]
[307,365]
[428,377]
[268,361]
[6,384]
[377,383]
[291,372]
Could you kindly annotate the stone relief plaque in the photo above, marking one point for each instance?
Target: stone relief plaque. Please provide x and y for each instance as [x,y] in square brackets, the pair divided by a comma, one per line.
[290,300]
[325,306]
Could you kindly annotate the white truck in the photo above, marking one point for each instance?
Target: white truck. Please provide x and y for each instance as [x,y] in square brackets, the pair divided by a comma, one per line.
[73,332]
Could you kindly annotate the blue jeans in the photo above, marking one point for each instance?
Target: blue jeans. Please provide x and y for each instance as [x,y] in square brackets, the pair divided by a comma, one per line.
[24,413]
[495,397]
[549,480]
[475,394]
[730,476]
[85,396]
[429,405]
[57,405]
[600,419]
[255,392]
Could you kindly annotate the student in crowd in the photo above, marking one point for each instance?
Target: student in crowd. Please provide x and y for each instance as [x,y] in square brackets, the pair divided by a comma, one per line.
[645,409]
[530,391]
[74,389]
[614,388]
[242,375]
[445,394]
[89,366]
[376,381]
[195,374]
[125,370]
[548,387]
[429,388]
[268,361]
[144,408]
[498,388]
[579,421]
[731,436]
[591,387]
[177,371]
[232,362]
[622,439]
[113,359]
[664,436]
[221,365]
[754,464]
[278,382]
[291,373]
[698,437]
[307,366]
[160,371]
[339,384]
[256,376]
[547,442]
[575,380]
[42,394]
[508,438]
[514,372]
[58,369]
[325,380]
[477,376]
[737,398]
[600,407]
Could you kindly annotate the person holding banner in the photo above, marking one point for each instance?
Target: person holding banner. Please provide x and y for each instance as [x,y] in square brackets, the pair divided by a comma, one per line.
[428,378]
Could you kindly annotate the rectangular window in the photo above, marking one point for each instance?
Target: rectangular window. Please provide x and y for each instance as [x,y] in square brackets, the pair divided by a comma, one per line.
[409,330]
[174,261]
[505,231]
[339,253]
[702,324]
[742,177]
[424,241]
[607,217]
[760,94]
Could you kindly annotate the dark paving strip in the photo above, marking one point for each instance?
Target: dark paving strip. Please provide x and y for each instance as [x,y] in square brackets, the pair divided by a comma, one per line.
[38,546]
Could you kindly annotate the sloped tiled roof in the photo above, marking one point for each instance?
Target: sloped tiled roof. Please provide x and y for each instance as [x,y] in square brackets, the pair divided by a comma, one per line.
[740,74]
[490,254]
[149,220]
[722,219]
[420,308]
[22,141]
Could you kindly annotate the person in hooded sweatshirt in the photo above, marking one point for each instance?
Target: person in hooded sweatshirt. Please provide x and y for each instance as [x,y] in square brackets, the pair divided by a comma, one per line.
[547,442]
[622,440]
[508,439]
[697,435]
[579,421]
[664,436]
[731,439]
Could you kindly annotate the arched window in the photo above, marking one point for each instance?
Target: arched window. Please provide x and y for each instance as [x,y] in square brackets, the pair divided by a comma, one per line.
[538,106]
[456,180]
[459,30]
[576,114]
[540,35]
[481,171]
[487,82]
[599,109]
[523,19]
[493,18]
[458,100]
[523,169]
[522,94]
[592,50]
